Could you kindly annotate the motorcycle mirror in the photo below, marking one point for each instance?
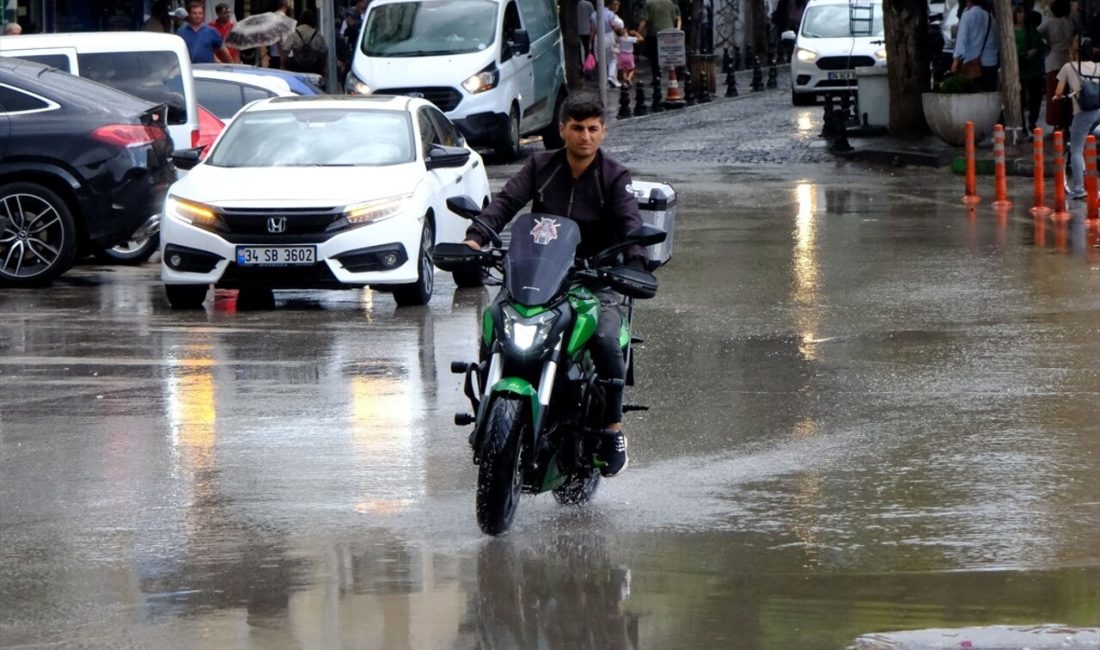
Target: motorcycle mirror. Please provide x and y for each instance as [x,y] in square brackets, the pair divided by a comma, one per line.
[458,257]
[647,236]
[463,206]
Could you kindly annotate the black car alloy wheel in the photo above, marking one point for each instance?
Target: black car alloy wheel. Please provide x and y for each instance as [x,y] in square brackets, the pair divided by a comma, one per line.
[37,235]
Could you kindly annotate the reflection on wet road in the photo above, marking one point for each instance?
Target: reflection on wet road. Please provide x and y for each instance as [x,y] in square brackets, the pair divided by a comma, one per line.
[870,412]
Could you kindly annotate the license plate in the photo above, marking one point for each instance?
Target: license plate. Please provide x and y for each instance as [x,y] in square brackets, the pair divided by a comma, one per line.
[840,76]
[276,255]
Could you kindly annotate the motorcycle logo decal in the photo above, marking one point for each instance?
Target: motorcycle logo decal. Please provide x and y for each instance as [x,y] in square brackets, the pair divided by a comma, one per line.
[545,231]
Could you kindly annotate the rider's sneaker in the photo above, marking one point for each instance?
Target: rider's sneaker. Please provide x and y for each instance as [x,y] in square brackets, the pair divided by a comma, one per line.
[612,452]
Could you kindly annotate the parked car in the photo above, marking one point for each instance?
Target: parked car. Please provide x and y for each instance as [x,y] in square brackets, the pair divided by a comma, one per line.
[495,67]
[320,192]
[835,38]
[225,88]
[82,165]
[154,67]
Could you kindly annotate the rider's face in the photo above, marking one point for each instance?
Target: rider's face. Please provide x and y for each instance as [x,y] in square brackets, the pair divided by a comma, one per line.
[584,137]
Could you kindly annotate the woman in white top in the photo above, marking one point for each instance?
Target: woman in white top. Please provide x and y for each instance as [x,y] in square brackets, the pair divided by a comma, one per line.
[1070,75]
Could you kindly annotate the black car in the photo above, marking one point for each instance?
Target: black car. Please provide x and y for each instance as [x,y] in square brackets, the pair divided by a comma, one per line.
[82,165]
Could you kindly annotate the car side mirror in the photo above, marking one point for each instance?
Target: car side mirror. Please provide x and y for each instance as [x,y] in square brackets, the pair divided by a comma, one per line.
[520,42]
[440,156]
[187,158]
[788,36]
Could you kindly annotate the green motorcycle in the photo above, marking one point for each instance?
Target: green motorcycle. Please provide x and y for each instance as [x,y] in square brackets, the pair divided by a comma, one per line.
[537,399]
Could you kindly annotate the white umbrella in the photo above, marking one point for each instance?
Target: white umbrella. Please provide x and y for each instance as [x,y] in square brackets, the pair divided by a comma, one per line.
[259,30]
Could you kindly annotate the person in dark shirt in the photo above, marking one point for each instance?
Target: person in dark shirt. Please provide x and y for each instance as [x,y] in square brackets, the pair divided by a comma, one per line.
[582,183]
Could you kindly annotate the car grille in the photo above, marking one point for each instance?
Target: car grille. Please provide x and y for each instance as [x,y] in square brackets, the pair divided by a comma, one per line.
[446,99]
[844,62]
[301,224]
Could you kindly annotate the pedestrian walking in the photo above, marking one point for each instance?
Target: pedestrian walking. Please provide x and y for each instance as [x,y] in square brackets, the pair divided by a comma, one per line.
[1058,31]
[627,40]
[584,28]
[657,16]
[307,49]
[224,24]
[977,51]
[204,43]
[607,24]
[277,53]
[1071,76]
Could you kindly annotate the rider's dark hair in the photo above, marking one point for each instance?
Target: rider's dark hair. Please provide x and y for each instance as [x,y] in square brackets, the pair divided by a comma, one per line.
[581,107]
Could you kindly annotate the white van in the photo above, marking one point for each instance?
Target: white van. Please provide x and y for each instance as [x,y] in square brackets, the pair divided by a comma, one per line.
[495,67]
[835,38]
[154,67]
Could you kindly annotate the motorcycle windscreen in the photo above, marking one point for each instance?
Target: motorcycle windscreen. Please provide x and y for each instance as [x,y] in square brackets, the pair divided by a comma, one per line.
[539,257]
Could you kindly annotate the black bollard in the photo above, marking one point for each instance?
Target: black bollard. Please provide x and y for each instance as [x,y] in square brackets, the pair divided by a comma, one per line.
[727,61]
[689,87]
[736,58]
[704,78]
[827,129]
[748,57]
[639,100]
[840,142]
[773,73]
[731,83]
[624,102]
[657,105]
[757,75]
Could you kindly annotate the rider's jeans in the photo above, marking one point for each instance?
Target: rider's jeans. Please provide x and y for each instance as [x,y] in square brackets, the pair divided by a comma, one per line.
[607,354]
[1078,131]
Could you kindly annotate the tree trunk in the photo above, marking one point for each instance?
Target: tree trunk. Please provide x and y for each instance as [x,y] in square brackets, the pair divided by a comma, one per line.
[1010,74]
[907,57]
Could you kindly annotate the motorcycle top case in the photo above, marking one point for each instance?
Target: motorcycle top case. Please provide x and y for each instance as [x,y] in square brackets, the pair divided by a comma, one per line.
[657,207]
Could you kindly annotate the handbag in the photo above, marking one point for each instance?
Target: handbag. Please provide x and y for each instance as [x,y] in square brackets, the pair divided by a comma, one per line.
[589,62]
[972,69]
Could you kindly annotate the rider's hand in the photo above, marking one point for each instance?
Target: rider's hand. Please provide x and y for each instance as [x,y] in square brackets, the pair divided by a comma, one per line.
[472,244]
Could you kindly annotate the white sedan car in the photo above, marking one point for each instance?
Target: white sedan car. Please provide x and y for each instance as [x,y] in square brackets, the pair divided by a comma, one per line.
[320,192]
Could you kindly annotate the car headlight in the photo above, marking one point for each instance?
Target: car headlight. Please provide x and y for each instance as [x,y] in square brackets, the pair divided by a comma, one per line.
[190,212]
[880,54]
[805,55]
[355,86]
[374,211]
[527,332]
[487,79]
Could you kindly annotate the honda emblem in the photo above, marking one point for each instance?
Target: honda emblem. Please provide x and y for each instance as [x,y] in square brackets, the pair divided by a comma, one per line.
[276,225]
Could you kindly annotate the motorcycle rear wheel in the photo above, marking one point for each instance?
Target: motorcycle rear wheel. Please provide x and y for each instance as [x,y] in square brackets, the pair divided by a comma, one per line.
[499,479]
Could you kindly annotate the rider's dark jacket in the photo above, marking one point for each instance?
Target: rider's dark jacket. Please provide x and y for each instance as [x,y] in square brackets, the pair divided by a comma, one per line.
[601,200]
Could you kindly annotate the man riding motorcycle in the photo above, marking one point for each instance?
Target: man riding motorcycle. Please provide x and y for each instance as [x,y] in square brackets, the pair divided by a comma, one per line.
[582,183]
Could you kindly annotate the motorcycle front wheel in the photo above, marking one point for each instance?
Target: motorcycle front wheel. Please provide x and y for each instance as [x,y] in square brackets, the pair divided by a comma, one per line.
[499,480]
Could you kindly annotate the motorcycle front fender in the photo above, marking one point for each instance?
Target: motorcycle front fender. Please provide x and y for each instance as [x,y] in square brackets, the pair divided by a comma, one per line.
[511,386]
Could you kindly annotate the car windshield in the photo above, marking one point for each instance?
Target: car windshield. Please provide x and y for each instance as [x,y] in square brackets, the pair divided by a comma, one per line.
[315,138]
[429,28]
[842,21]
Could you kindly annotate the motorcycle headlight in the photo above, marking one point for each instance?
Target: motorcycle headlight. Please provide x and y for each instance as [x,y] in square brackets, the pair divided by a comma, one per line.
[189,211]
[527,332]
[355,86]
[487,79]
[366,212]
[805,55]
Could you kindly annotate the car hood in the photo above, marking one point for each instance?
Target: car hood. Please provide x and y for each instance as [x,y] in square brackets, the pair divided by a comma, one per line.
[295,186]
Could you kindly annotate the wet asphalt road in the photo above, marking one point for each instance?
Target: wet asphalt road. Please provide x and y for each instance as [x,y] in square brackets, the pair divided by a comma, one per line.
[871,412]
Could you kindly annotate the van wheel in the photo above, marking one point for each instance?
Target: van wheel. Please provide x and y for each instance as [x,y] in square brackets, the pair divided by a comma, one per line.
[551,134]
[507,148]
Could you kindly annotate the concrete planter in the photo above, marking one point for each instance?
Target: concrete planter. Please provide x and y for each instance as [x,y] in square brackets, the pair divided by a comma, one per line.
[948,113]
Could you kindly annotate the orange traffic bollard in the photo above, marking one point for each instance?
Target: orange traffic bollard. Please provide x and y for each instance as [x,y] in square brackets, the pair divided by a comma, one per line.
[971,197]
[1040,208]
[1000,180]
[1090,178]
[1059,178]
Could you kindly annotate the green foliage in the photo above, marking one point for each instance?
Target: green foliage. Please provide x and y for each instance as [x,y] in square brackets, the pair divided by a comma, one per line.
[956,83]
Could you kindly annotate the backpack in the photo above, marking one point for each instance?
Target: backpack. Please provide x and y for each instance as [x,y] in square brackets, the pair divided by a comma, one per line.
[1088,97]
[307,58]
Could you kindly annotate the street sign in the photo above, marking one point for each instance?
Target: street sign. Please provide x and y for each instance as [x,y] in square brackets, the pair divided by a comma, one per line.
[670,48]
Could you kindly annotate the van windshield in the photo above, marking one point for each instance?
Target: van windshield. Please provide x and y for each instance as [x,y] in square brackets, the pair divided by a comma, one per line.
[841,21]
[429,28]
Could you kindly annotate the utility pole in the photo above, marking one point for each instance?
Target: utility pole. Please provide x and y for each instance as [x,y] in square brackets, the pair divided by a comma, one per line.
[1010,74]
[327,16]
[601,49]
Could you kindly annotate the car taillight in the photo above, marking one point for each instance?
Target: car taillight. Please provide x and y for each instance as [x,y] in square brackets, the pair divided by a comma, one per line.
[128,135]
[194,138]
